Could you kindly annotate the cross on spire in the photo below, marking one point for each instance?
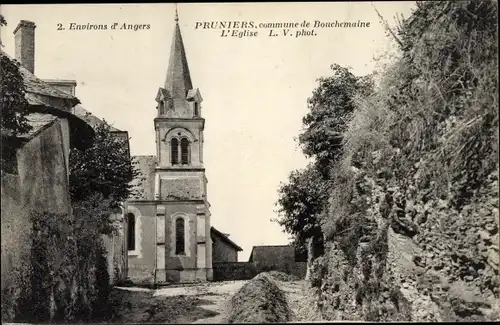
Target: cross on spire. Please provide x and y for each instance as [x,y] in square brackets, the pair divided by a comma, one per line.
[176,13]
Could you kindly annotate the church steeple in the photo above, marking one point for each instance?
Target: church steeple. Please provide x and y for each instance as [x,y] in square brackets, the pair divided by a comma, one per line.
[178,80]
[178,98]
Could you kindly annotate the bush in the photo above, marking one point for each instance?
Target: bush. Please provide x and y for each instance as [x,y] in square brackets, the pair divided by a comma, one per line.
[62,286]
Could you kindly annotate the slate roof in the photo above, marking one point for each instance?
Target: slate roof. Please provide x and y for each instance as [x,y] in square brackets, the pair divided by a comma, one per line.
[38,122]
[143,185]
[90,118]
[178,80]
[34,85]
[47,100]
[224,237]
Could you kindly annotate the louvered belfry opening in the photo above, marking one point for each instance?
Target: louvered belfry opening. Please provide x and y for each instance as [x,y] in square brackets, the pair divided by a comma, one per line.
[174,149]
[185,151]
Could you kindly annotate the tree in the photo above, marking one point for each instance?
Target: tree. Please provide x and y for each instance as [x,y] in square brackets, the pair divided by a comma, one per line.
[304,198]
[300,203]
[105,168]
[330,108]
[14,107]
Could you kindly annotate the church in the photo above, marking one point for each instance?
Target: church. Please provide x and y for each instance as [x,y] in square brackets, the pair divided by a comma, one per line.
[167,227]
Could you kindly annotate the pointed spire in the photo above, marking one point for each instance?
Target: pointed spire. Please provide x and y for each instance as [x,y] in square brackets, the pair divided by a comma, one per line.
[178,81]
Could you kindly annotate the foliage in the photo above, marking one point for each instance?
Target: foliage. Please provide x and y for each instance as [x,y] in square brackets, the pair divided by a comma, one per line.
[427,136]
[67,268]
[430,127]
[300,202]
[330,107]
[14,107]
[69,280]
[423,146]
[105,168]
[304,197]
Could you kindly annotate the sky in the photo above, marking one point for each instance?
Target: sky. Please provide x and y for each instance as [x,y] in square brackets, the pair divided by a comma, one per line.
[255,89]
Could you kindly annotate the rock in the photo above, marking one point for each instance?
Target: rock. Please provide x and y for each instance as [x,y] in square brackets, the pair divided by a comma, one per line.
[485,212]
[492,228]
[442,204]
[419,270]
[465,299]
[495,239]
[484,252]
[493,258]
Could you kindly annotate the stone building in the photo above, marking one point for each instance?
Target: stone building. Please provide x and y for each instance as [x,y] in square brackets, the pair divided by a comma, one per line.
[279,257]
[223,249]
[39,178]
[168,219]
[51,100]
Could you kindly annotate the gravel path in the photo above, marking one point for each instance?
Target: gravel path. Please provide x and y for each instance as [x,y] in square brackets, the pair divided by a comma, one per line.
[202,303]
[301,302]
[186,304]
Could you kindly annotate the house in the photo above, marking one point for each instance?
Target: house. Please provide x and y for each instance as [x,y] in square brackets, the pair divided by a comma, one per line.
[168,218]
[52,102]
[114,243]
[223,248]
[279,257]
[40,179]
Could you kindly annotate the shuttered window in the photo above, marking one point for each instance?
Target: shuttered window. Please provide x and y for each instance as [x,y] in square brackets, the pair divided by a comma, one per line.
[174,150]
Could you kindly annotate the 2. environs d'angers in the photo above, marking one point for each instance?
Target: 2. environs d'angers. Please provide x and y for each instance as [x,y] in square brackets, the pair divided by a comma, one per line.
[113,26]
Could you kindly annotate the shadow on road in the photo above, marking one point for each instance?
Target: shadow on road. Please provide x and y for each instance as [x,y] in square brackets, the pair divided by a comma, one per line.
[143,306]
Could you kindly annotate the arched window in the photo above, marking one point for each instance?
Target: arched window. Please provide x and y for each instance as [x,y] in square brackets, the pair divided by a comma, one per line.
[179,237]
[131,231]
[185,151]
[174,150]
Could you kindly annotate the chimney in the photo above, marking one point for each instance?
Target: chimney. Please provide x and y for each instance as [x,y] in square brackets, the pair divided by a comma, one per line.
[25,44]
[68,86]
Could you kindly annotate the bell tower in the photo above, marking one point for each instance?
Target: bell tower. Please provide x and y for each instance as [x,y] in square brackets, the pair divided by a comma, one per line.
[180,186]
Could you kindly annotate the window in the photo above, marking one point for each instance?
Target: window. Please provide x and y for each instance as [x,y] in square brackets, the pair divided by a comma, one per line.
[196,109]
[174,149]
[179,237]
[131,232]
[162,108]
[185,151]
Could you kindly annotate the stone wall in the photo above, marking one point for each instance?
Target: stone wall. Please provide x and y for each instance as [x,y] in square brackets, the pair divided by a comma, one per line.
[223,252]
[247,270]
[234,271]
[40,185]
[16,244]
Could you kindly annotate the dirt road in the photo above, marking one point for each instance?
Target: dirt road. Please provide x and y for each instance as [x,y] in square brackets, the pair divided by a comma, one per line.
[186,304]
[198,303]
